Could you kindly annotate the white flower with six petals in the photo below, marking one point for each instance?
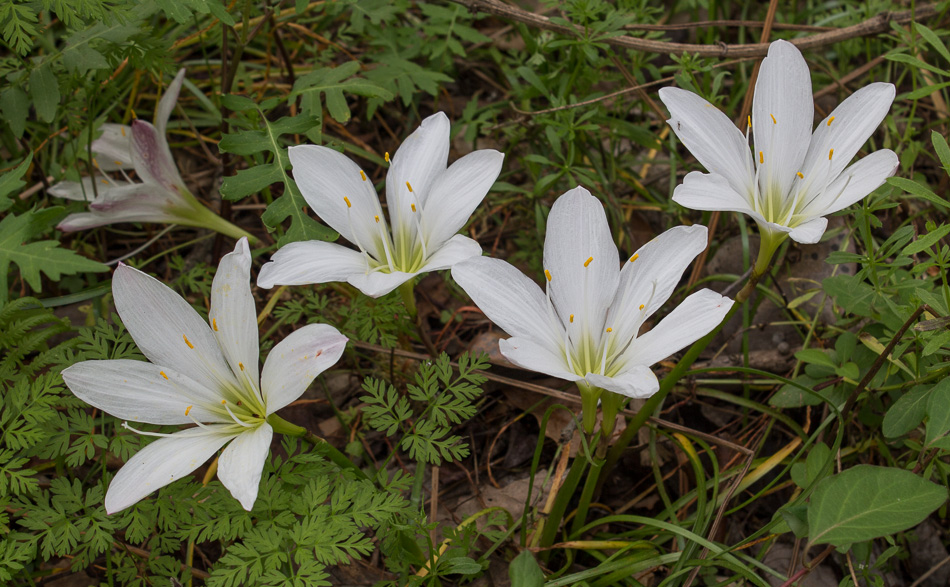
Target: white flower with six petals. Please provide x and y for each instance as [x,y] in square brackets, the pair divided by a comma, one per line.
[199,374]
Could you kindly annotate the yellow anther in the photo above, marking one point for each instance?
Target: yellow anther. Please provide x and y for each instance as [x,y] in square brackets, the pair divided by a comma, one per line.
[750,121]
[831,153]
[162,373]
[347,200]
[188,342]
[830,120]
[214,324]
[105,181]
[800,175]
[641,306]
[117,162]
[377,219]
[587,262]
[241,366]
[609,330]
[634,258]
[363,175]
[761,158]
[572,318]
[224,402]
[122,128]
[547,274]
[95,163]
[188,409]
[409,186]
[387,156]
[773,119]
[413,207]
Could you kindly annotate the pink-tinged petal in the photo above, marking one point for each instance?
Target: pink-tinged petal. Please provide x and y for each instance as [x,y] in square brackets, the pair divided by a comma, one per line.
[511,300]
[232,315]
[809,233]
[650,276]
[636,382]
[690,321]
[168,330]
[529,354]
[162,462]
[711,137]
[85,191]
[141,392]
[340,193]
[309,262]
[783,112]
[113,148]
[377,284]
[293,364]
[580,254]
[168,101]
[242,463]
[455,194]
[152,158]
[453,251]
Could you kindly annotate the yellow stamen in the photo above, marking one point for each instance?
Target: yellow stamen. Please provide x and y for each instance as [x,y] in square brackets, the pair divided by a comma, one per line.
[347,200]
[363,175]
[587,262]
[387,157]
[95,163]
[188,409]
[122,128]
[105,181]
[224,402]
[634,258]
[800,175]
[241,366]
[117,162]
[761,158]
[413,207]
[377,219]
[773,119]
[162,373]
[409,186]
[609,330]
[831,154]
[188,342]
[750,121]
[830,120]
[572,318]
[214,324]
[547,274]
[641,306]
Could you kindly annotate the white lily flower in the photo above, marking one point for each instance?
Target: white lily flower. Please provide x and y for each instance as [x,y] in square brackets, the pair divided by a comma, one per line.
[160,196]
[585,326]
[793,177]
[428,202]
[199,374]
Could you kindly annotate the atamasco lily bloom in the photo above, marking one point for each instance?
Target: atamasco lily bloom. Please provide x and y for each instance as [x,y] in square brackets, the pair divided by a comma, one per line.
[159,195]
[585,325]
[428,202]
[792,177]
[203,373]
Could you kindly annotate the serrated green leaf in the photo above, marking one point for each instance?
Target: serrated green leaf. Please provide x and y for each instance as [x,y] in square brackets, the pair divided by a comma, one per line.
[867,502]
[12,181]
[249,181]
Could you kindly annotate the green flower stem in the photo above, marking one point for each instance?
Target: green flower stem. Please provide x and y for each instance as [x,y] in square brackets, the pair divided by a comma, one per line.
[593,474]
[769,243]
[408,293]
[564,495]
[284,427]
[200,216]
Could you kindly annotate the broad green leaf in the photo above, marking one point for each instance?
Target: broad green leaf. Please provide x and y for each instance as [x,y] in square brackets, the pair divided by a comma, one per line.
[941,147]
[907,412]
[934,41]
[36,257]
[816,356]
[525,572]
[922,192]
[867,502]
[15,107]
[793,396]
[850,293]
[44,89]
[938,411]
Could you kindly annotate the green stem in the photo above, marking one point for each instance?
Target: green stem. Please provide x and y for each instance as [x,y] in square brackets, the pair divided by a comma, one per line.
[564,495]
[407,291]
[284,427]
[593,474]
[201,216]
[415,498]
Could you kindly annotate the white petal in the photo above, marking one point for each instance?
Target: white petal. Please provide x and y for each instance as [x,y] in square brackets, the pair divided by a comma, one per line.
[531,355]
[708,191]
[152,159]
[577,231]
[455,250]
[690,321]
[636,382]
[510,300]
[307,262]
[325,177]
[809,233]
[242,462]
[652,277]
[293,364]
[168,101]
[232,316]
[455,194]
[168,330]
[711,137]
[377,284]
[783,112]
[113,148]
[162,462]
[84,191]
[141,392]
[851,124]
[855,183]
